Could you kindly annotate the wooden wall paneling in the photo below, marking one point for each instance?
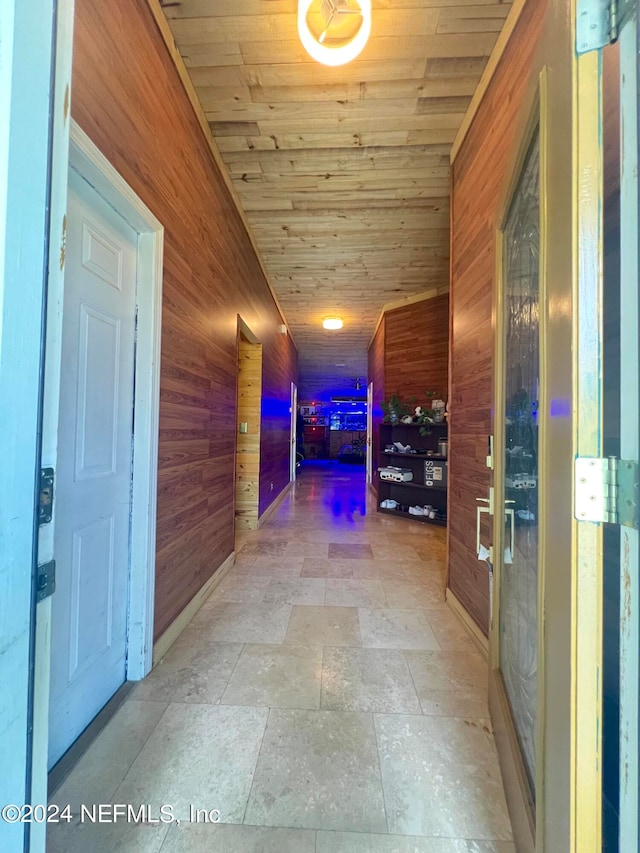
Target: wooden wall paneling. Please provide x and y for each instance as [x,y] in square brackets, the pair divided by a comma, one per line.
[477,189]
[129,99]
[417,349]
[248,444]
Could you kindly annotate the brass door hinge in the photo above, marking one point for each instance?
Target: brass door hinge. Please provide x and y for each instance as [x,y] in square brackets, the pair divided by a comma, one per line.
[598,23]
[606,490]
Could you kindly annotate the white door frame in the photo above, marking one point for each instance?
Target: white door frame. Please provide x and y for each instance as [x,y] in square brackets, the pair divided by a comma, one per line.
[370,432]
[86,159]
[293,444]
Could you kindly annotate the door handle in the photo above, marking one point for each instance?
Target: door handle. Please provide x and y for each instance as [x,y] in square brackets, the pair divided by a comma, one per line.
[480,511]
[489,508]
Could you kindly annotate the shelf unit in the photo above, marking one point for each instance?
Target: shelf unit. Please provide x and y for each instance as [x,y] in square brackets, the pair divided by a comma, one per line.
[416,492]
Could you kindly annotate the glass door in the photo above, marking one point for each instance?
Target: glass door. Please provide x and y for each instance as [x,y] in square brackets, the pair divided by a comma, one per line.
[546,625]
[518,413]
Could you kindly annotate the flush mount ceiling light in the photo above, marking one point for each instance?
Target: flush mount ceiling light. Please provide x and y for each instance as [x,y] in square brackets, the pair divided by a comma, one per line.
[335,43]
[332,323]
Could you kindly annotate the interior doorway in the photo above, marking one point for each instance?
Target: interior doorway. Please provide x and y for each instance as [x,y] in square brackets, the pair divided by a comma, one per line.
[370,433]
[103,348]
[249,401]
[293,434]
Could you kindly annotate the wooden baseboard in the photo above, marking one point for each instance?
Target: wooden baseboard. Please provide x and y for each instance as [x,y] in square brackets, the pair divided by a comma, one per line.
[166,640]
[270,510]
[469,623]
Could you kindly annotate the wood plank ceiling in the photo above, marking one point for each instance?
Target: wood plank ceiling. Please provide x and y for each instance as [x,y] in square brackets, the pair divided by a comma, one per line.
[343,172]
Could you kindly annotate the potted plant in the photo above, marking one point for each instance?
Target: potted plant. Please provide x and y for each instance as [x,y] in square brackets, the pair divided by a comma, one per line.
[394,409]
[434,414]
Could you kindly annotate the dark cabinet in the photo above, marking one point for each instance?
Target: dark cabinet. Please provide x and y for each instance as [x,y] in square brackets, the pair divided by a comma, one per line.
[414,485]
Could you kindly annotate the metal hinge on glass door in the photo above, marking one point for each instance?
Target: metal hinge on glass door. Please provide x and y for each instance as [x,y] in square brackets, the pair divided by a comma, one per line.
[599,22]
[606,490]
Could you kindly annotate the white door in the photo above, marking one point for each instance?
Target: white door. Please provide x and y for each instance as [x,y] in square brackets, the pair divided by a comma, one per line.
[370,433]
[293,446]
[93,489]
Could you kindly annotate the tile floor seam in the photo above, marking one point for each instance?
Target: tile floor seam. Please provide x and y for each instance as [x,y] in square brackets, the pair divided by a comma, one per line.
[147,739]
[384,796]
[324,648]
[164,840]
[255,768]
[122,781]
[413,681]
[233,669]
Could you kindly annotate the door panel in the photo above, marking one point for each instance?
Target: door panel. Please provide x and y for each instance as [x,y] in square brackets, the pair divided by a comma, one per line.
[97,419]
[92,570]
[89,609]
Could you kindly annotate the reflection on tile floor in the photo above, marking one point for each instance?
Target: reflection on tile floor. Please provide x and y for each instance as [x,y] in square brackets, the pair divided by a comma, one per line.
[324,700]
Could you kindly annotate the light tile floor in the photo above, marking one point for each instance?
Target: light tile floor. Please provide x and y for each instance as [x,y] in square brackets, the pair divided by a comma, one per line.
[324,700]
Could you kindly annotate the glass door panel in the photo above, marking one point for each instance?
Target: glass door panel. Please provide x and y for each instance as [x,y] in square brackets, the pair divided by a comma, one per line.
[518,618]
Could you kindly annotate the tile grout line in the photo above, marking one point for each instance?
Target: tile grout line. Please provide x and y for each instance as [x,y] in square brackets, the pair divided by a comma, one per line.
[253,775]
[122,781]
[384,797]
[413,681]
[233,669]
[324,649]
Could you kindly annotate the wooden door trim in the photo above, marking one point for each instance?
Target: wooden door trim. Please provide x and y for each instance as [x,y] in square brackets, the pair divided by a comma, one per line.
[86,159]
[587,428]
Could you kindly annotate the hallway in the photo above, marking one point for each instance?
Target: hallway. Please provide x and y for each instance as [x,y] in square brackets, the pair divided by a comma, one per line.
[323,699]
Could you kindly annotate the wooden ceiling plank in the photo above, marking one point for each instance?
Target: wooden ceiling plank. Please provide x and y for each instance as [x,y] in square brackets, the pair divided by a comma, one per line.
[249,8]
[224,54]
[358,125]
[293,74]
[364,90]
[274,51]
[234,28]
[318,110]
[468,25]
[295,141]
[344,159]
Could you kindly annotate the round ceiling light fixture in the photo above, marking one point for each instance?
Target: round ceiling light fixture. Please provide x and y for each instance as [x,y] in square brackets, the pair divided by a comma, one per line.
[334,14]
[332,323]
